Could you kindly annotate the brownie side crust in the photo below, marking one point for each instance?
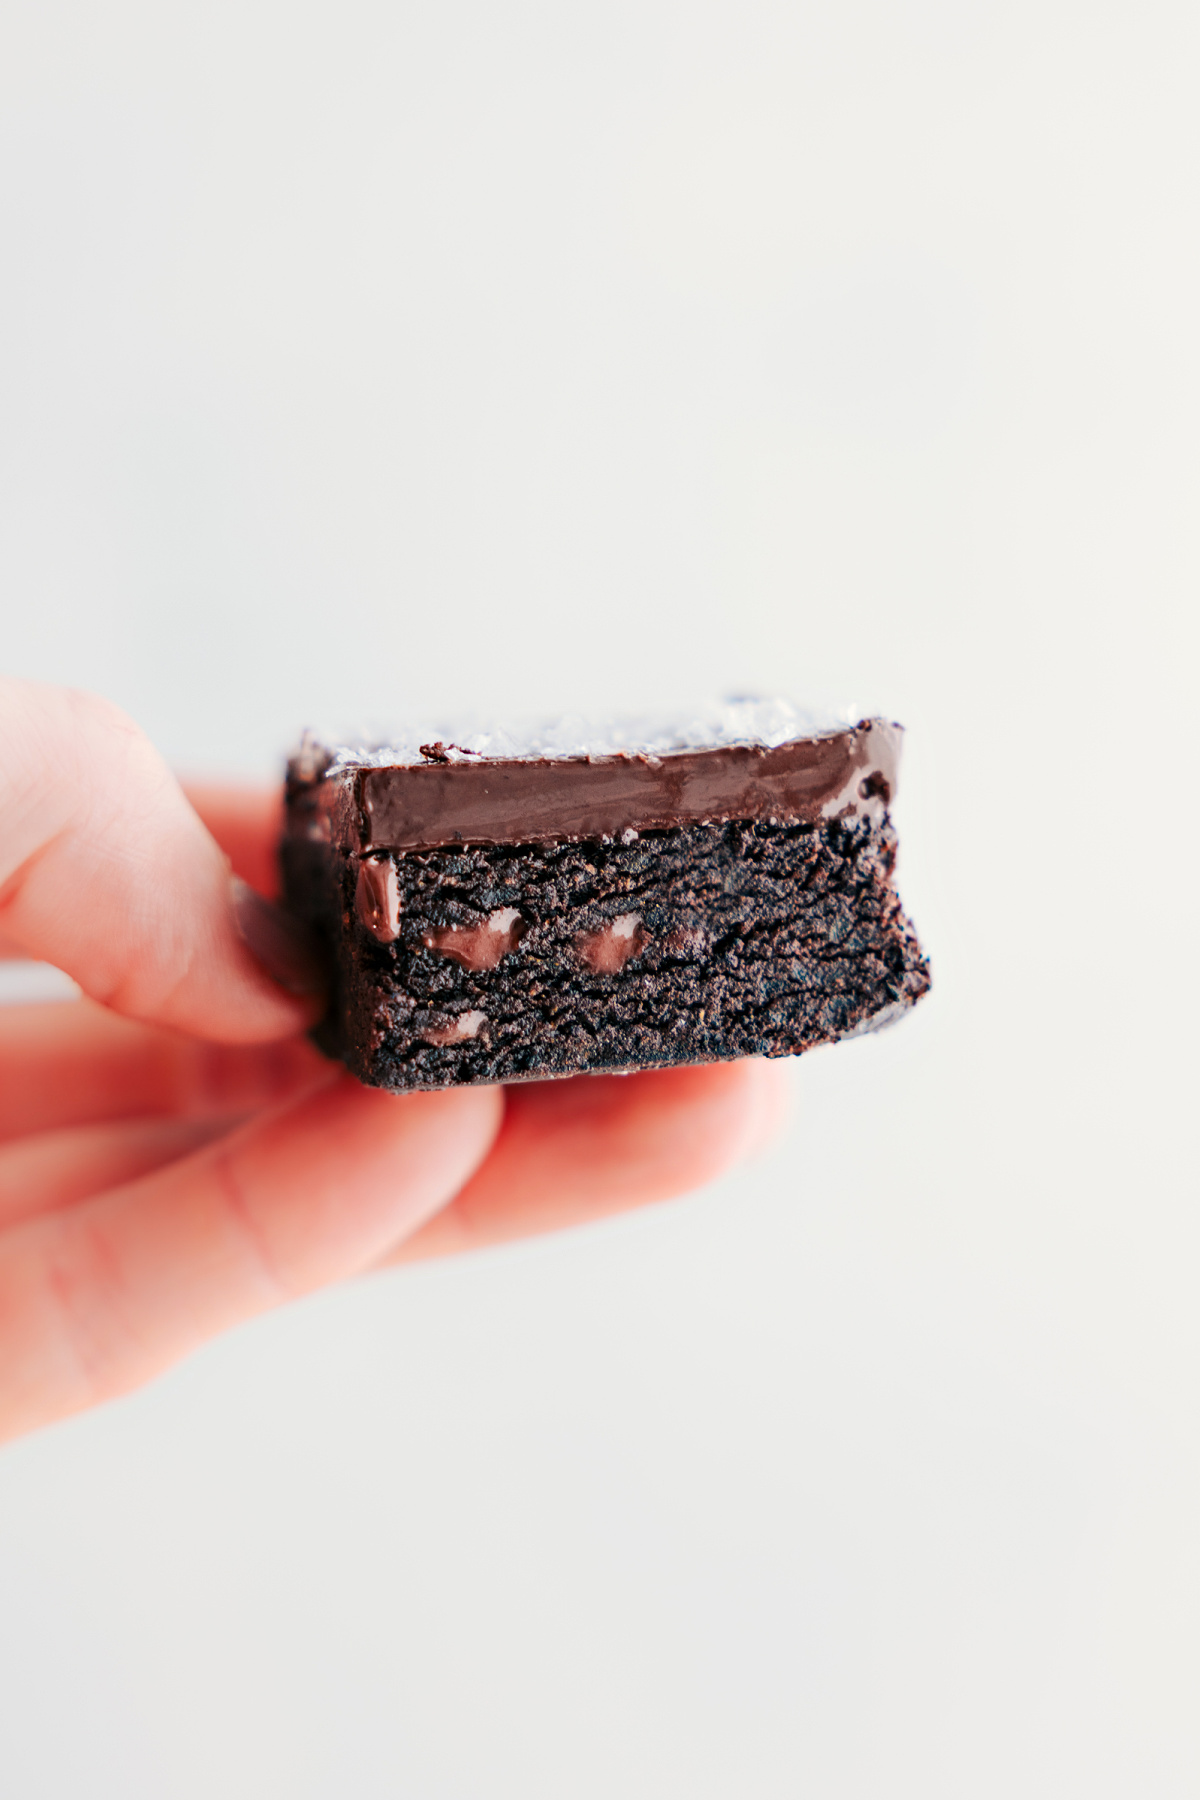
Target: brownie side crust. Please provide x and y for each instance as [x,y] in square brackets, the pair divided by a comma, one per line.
[515,961]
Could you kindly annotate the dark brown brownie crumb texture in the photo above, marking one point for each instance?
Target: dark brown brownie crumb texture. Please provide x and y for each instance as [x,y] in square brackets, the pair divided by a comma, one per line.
[752,940]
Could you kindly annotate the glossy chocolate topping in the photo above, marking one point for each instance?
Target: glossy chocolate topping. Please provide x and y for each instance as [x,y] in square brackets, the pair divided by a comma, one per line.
[423,806]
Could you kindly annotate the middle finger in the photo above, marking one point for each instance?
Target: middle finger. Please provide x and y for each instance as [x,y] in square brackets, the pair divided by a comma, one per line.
[75,1063]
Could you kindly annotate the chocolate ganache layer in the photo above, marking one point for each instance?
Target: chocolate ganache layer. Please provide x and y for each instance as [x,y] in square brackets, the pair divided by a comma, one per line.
[452,797]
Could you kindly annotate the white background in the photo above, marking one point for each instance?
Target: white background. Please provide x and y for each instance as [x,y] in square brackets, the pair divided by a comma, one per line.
[364,357]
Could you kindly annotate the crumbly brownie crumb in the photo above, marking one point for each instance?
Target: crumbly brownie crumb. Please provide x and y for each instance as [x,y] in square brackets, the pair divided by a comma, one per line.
[527,960]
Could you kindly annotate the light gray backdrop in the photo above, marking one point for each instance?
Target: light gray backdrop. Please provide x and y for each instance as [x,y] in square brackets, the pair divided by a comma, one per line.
[362,357]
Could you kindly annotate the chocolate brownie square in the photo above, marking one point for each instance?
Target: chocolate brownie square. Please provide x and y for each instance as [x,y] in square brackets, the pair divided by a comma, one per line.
[499,910]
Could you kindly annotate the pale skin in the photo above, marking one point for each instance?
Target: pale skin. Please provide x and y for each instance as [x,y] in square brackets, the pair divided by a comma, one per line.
[174,1156]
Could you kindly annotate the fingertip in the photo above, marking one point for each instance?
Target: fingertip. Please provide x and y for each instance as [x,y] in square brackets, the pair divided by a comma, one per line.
[771,1103]
[712,1116]
[670,1130]
[459,1121]
[743,1103]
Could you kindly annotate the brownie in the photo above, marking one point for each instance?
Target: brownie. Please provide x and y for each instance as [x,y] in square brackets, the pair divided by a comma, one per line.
[512,912]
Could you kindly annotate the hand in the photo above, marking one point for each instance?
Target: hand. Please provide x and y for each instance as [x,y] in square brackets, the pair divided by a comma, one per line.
[174,1156]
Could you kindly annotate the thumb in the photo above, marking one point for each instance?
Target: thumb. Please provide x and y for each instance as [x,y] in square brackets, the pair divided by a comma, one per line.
[106,871]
